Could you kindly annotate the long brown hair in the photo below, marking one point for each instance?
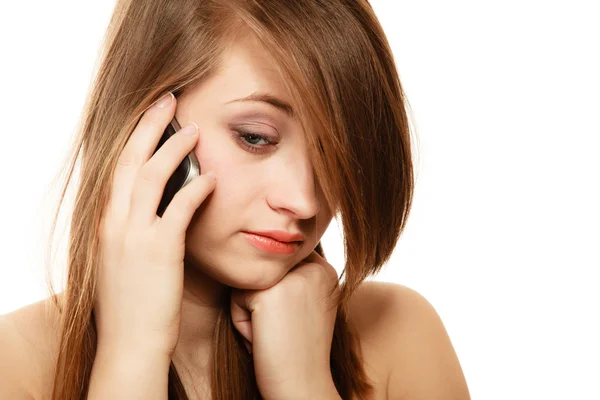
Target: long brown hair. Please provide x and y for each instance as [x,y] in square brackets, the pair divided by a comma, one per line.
[338,64]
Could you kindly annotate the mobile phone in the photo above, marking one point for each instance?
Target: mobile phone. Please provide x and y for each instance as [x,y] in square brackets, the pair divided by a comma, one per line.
[185,172]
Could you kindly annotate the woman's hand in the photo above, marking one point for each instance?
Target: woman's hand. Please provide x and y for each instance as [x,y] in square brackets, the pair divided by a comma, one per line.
[140,278]
[290,329]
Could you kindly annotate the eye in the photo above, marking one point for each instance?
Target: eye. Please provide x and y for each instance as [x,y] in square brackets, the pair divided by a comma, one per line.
[248,140]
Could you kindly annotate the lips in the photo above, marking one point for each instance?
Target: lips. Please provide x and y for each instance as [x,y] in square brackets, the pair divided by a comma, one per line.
[280,236]
[271,245]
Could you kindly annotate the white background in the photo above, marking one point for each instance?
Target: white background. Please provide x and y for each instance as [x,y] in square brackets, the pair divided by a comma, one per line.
[503,237]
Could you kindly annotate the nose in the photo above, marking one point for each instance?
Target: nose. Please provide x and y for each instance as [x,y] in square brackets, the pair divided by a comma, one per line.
[293,190]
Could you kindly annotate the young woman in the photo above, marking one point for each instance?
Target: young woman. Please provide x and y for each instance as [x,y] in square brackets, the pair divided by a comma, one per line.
[296,108]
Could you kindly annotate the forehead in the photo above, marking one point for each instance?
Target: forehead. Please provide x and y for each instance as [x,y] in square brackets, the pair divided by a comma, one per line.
[247,75]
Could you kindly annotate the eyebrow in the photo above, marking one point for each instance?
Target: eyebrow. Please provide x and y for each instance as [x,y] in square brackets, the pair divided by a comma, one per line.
[269,99]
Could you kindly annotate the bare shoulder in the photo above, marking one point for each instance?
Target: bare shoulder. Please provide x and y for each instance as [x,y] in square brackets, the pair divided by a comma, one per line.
[29,342]
[405,344]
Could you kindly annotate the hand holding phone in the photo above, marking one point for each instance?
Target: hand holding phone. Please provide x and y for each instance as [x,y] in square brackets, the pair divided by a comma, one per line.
[137,303]
[185,172]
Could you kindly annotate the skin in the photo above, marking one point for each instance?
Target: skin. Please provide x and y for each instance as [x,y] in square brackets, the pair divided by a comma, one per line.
[272,189]
[406,349]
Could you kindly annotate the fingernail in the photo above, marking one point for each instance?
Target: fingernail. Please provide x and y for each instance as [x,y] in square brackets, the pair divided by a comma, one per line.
[165,100]
[189,129]
[211,174]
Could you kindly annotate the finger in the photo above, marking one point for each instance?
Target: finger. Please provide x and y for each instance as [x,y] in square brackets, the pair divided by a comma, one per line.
[152,178]
[138,149]
[240,315]
[316,258]
[180,211]
[316,269]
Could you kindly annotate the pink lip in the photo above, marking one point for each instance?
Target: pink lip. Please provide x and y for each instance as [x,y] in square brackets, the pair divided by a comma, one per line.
[280,236]
[271,245]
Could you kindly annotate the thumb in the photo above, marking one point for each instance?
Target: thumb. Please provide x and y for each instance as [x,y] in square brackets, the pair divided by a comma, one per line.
[240,315]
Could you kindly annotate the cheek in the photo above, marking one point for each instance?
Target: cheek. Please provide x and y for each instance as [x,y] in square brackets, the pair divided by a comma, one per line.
[215,152]
[235,183]
[210,154]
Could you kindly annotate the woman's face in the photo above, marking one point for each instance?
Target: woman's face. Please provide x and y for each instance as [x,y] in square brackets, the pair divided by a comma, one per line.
[262,184]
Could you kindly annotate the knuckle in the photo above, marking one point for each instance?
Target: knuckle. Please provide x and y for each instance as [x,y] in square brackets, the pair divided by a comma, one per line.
[129,158]
[324,270]
[147,175]
[319,273]
[331,272]
[152,119]
[151,115]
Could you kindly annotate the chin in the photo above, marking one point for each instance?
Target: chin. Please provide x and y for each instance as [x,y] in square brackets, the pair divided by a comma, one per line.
[257,281]
[240,266]
[256,274]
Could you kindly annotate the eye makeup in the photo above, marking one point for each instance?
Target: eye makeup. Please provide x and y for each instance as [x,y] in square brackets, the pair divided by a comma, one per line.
[249,129]
[245,139]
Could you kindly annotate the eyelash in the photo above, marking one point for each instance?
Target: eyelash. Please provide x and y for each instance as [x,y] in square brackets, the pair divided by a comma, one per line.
[241,135]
